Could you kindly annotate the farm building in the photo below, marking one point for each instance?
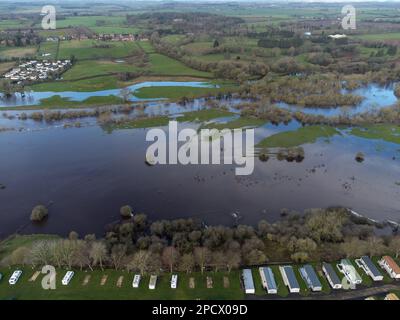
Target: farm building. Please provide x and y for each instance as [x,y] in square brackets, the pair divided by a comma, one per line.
[248,281]
[369,267]
[331,275]
[310,277]
[391,267]
[351,274]
[289,278]
[268,280]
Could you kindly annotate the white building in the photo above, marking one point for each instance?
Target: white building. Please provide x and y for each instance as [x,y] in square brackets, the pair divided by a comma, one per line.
[391,267]
[248,281]
[349,271]
[369,267]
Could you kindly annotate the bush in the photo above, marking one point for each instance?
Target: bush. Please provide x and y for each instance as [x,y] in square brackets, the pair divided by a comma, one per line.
[126,211]
[360,157]
[39,213]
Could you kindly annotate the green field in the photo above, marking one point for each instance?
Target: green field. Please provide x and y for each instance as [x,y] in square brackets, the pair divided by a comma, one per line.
[46,48]
[91,84]
[22,52]
[295,138]
[163,65]
[92,68]
[91,49]
[240,122]
[388,133]
[25,289]
[58,102]
[380,36]
[90,21]
[175,93]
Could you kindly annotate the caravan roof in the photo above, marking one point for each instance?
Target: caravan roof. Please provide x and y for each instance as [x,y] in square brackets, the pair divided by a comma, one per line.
[248,280]
[371,266]
[310,277]
[291,277]
[269,278]
[332,274]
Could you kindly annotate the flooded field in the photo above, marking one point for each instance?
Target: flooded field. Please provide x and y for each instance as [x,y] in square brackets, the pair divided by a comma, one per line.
[86,174]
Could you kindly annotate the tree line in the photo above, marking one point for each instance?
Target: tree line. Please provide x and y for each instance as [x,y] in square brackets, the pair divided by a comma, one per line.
[187,245]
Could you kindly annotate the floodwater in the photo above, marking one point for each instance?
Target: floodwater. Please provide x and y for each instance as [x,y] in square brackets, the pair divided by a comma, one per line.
[375,98]
[85,175]
[32,98]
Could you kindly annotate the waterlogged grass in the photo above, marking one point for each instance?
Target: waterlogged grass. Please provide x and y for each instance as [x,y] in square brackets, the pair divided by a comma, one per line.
[203,115]
[175,93]
[386,132]
[303,135]
[59,102]
[161,121]
[242,122]
[25,289]
[92,84]
[148,122]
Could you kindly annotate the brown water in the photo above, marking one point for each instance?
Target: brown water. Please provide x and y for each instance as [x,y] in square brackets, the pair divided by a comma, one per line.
[86,175]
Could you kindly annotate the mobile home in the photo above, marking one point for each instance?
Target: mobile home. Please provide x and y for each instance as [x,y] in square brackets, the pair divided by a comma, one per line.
[15,277]
[289,278]
[153,282]
[369,267]
[248,281]
[67,278]
[310,278]
[331,276]
[174,281]
[391,267]
[136,281]
[349,271]
[268,280]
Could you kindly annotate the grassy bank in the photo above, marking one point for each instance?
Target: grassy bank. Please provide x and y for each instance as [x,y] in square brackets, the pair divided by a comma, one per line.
[388,133]
[303,135]
[26,289]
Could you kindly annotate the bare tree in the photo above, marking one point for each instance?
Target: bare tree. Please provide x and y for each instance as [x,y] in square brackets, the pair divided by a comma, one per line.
[394,244]
[41,253]
[233,260]
[81,255]
[140,261]
[170,257]
[98,253]
[187,263]
[118,253]
[68,248]
[202,257]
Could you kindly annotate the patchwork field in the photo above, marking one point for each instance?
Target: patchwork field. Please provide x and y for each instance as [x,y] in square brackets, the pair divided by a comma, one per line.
[23,52]
[90,49]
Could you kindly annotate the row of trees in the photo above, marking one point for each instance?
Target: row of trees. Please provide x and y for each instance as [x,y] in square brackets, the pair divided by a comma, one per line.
[186,245]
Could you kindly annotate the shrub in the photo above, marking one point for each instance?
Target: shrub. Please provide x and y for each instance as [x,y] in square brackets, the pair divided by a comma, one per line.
[39,213]
[126,211]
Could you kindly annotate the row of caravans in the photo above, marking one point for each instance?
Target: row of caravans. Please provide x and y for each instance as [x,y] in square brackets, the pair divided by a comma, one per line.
[349,279]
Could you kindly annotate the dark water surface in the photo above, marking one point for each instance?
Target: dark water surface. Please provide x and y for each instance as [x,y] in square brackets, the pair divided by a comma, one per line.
[87,175]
